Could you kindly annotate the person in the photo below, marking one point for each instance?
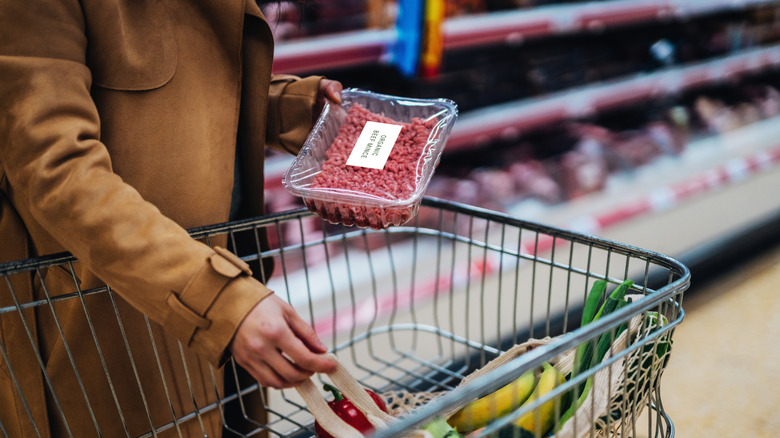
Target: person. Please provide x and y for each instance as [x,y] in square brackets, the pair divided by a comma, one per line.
[121,123]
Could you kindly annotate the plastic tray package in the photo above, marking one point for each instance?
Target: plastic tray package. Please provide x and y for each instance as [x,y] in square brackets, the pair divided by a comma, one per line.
[368,161]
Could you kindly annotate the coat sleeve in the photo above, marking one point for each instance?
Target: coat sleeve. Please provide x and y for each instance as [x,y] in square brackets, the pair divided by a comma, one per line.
[290,111]
[60,172]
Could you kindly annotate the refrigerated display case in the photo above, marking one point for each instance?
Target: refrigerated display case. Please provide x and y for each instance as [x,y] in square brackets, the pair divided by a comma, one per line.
[616,117]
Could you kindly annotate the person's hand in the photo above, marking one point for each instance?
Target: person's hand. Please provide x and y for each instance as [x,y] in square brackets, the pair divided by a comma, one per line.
[329,90]
[277,347]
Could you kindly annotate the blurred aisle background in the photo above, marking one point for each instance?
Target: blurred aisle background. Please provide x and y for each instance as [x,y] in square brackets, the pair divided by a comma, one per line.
[649,122]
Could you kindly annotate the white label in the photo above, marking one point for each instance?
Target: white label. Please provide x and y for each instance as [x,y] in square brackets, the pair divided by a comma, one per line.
[374,145]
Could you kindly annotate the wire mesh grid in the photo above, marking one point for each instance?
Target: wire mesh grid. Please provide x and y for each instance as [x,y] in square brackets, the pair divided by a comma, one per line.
[411,310]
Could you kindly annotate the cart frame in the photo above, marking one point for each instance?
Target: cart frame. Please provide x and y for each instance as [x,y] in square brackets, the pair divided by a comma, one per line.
[453,258]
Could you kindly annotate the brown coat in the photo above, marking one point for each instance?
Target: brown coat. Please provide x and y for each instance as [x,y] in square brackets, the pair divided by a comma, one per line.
[118,127]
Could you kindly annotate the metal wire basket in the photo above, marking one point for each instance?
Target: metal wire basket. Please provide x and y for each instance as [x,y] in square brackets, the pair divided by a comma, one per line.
[413,309]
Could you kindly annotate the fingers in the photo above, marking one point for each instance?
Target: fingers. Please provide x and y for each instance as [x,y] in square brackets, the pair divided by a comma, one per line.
[279,375]
[305,348]
[270,366]
[265,375]
[331,90]
[306,333]
[334,92]
[277,347]
[283,372]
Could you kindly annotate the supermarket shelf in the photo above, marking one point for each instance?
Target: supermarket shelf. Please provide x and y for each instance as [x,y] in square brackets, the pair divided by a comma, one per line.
[375,46]
[479,127]
[509,120]
[327,52]
[706,167]
[672,206]
[517,25]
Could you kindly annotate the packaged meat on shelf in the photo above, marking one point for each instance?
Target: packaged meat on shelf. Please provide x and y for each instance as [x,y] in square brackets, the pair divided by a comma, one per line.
[382,31]
[707,165]
[481,76]
[572,159]
[584,107]
[290,20]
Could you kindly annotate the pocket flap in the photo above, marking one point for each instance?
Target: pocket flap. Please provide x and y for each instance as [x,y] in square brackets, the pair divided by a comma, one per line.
[131,44]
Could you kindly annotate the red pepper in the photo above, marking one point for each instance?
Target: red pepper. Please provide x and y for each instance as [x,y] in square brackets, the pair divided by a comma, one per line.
[348,412]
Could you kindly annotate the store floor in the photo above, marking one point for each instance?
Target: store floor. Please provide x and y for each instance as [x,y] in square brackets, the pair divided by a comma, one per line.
[724,376]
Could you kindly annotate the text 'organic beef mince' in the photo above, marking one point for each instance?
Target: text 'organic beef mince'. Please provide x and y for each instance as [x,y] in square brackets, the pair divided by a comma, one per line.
[398,179]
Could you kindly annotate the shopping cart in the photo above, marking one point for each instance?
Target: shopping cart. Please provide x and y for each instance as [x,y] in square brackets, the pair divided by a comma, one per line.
[409,311]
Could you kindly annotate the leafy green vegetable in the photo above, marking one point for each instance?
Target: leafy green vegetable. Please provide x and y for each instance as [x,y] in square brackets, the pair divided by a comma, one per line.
[587,359]
[439,428]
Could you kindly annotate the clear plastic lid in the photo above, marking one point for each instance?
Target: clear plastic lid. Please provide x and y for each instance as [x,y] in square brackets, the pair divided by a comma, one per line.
[368,161]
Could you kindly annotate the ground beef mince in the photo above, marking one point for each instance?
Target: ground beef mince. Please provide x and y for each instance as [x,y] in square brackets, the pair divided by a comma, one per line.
[398,180]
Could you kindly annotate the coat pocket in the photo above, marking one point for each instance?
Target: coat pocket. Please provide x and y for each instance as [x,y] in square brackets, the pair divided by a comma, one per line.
[131,44]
